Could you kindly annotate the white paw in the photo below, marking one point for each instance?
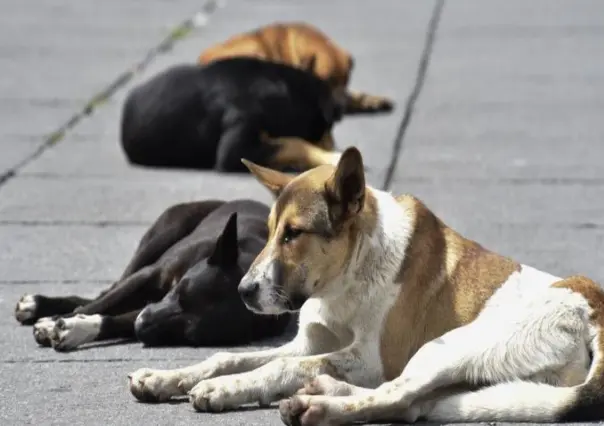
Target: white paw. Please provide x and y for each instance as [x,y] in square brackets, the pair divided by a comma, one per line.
[149,385]
[304,411]
[326,385]
[69,333]
[25,311]
[216,365]
[218,394]
[42,330]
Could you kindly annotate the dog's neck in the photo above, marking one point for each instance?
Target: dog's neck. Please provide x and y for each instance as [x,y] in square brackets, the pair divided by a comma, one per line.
[383,250]
[379,248]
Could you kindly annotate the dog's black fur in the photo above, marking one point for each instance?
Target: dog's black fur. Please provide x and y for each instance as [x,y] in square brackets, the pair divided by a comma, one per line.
[209,117]
[181,285]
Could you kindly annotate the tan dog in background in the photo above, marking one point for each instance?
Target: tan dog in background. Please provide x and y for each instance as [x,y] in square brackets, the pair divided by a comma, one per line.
[302,46]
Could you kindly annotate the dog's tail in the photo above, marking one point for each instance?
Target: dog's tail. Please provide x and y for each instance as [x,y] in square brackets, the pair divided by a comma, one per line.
[522,401]
[364,103]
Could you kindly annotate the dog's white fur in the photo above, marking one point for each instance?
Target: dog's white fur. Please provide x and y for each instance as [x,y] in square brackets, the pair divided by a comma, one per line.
[528,337]
[26,308]
[42,330]
[71,332]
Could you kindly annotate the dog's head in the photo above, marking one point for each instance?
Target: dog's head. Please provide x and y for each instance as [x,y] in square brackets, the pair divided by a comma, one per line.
[314,226]
[203,305]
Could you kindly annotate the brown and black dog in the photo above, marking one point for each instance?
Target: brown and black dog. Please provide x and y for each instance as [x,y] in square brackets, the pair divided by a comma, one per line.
[302,46]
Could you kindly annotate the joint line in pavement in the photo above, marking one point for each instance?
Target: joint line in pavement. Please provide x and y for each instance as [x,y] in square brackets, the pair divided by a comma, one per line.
[422,69]
[200,19]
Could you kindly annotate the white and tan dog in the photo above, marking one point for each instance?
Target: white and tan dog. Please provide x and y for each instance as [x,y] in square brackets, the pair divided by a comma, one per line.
[400,318]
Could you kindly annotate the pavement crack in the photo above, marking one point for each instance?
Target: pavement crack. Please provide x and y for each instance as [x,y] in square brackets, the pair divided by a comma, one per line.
[92,360]
[422,69]
[70,223]
[75,282]
[177,33]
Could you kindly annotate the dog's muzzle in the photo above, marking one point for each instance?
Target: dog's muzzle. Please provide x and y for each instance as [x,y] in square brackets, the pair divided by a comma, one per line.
[258,288]
[159,323]
[249,291]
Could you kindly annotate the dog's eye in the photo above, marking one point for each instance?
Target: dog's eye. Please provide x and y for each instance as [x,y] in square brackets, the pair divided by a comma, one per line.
[290,234]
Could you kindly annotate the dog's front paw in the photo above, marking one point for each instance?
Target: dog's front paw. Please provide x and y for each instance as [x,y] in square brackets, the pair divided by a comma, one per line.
[324,384]
[26,311]
[69,333]
[209,395]
[219,394]
[216,365]
[42,331]
[300,411]
[149,385]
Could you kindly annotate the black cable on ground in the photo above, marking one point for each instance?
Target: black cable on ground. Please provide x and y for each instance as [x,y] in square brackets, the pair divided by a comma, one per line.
[397,145]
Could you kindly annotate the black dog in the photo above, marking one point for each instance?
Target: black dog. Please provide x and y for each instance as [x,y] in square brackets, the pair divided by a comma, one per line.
[180,288]
[209,117]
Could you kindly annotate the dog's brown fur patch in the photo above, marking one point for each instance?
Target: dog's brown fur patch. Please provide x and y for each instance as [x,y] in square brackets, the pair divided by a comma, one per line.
[296,44]
[445,281]
[594,295]
[302,46]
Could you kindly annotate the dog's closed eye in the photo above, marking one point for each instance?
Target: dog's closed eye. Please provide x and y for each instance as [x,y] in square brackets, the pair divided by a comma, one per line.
[290,233]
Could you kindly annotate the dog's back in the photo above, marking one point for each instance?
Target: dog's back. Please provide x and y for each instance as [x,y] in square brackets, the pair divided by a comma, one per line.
[252,233]
[295,43]
[159,118]
[179,117]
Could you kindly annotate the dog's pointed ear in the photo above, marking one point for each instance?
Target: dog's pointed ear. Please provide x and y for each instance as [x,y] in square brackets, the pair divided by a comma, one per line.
[345,189]
[273,180]
[226,250]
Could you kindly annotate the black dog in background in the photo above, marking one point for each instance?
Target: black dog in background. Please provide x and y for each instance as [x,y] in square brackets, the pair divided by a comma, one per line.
[180,288]
[209,117]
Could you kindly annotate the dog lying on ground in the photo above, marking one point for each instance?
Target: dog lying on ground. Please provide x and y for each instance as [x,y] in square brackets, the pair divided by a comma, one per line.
[180,288]
[302,46]
[400,318]
[210,117]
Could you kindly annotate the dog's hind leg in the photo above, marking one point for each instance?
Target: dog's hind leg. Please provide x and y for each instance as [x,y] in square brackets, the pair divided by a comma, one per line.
[121,297]
[363,103]
[531,339]
[31,307]
[69,333]
[243,138]
[297,153]
[239,140]
[171,226]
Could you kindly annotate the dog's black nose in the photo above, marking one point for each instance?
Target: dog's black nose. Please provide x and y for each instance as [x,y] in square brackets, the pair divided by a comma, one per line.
[249,291]
[142,321]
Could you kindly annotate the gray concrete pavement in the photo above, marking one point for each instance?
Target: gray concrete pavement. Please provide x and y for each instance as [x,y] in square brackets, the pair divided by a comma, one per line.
[504,142]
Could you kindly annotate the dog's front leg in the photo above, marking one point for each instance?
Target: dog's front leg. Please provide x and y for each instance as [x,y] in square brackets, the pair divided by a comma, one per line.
[277,379]
[160,385]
